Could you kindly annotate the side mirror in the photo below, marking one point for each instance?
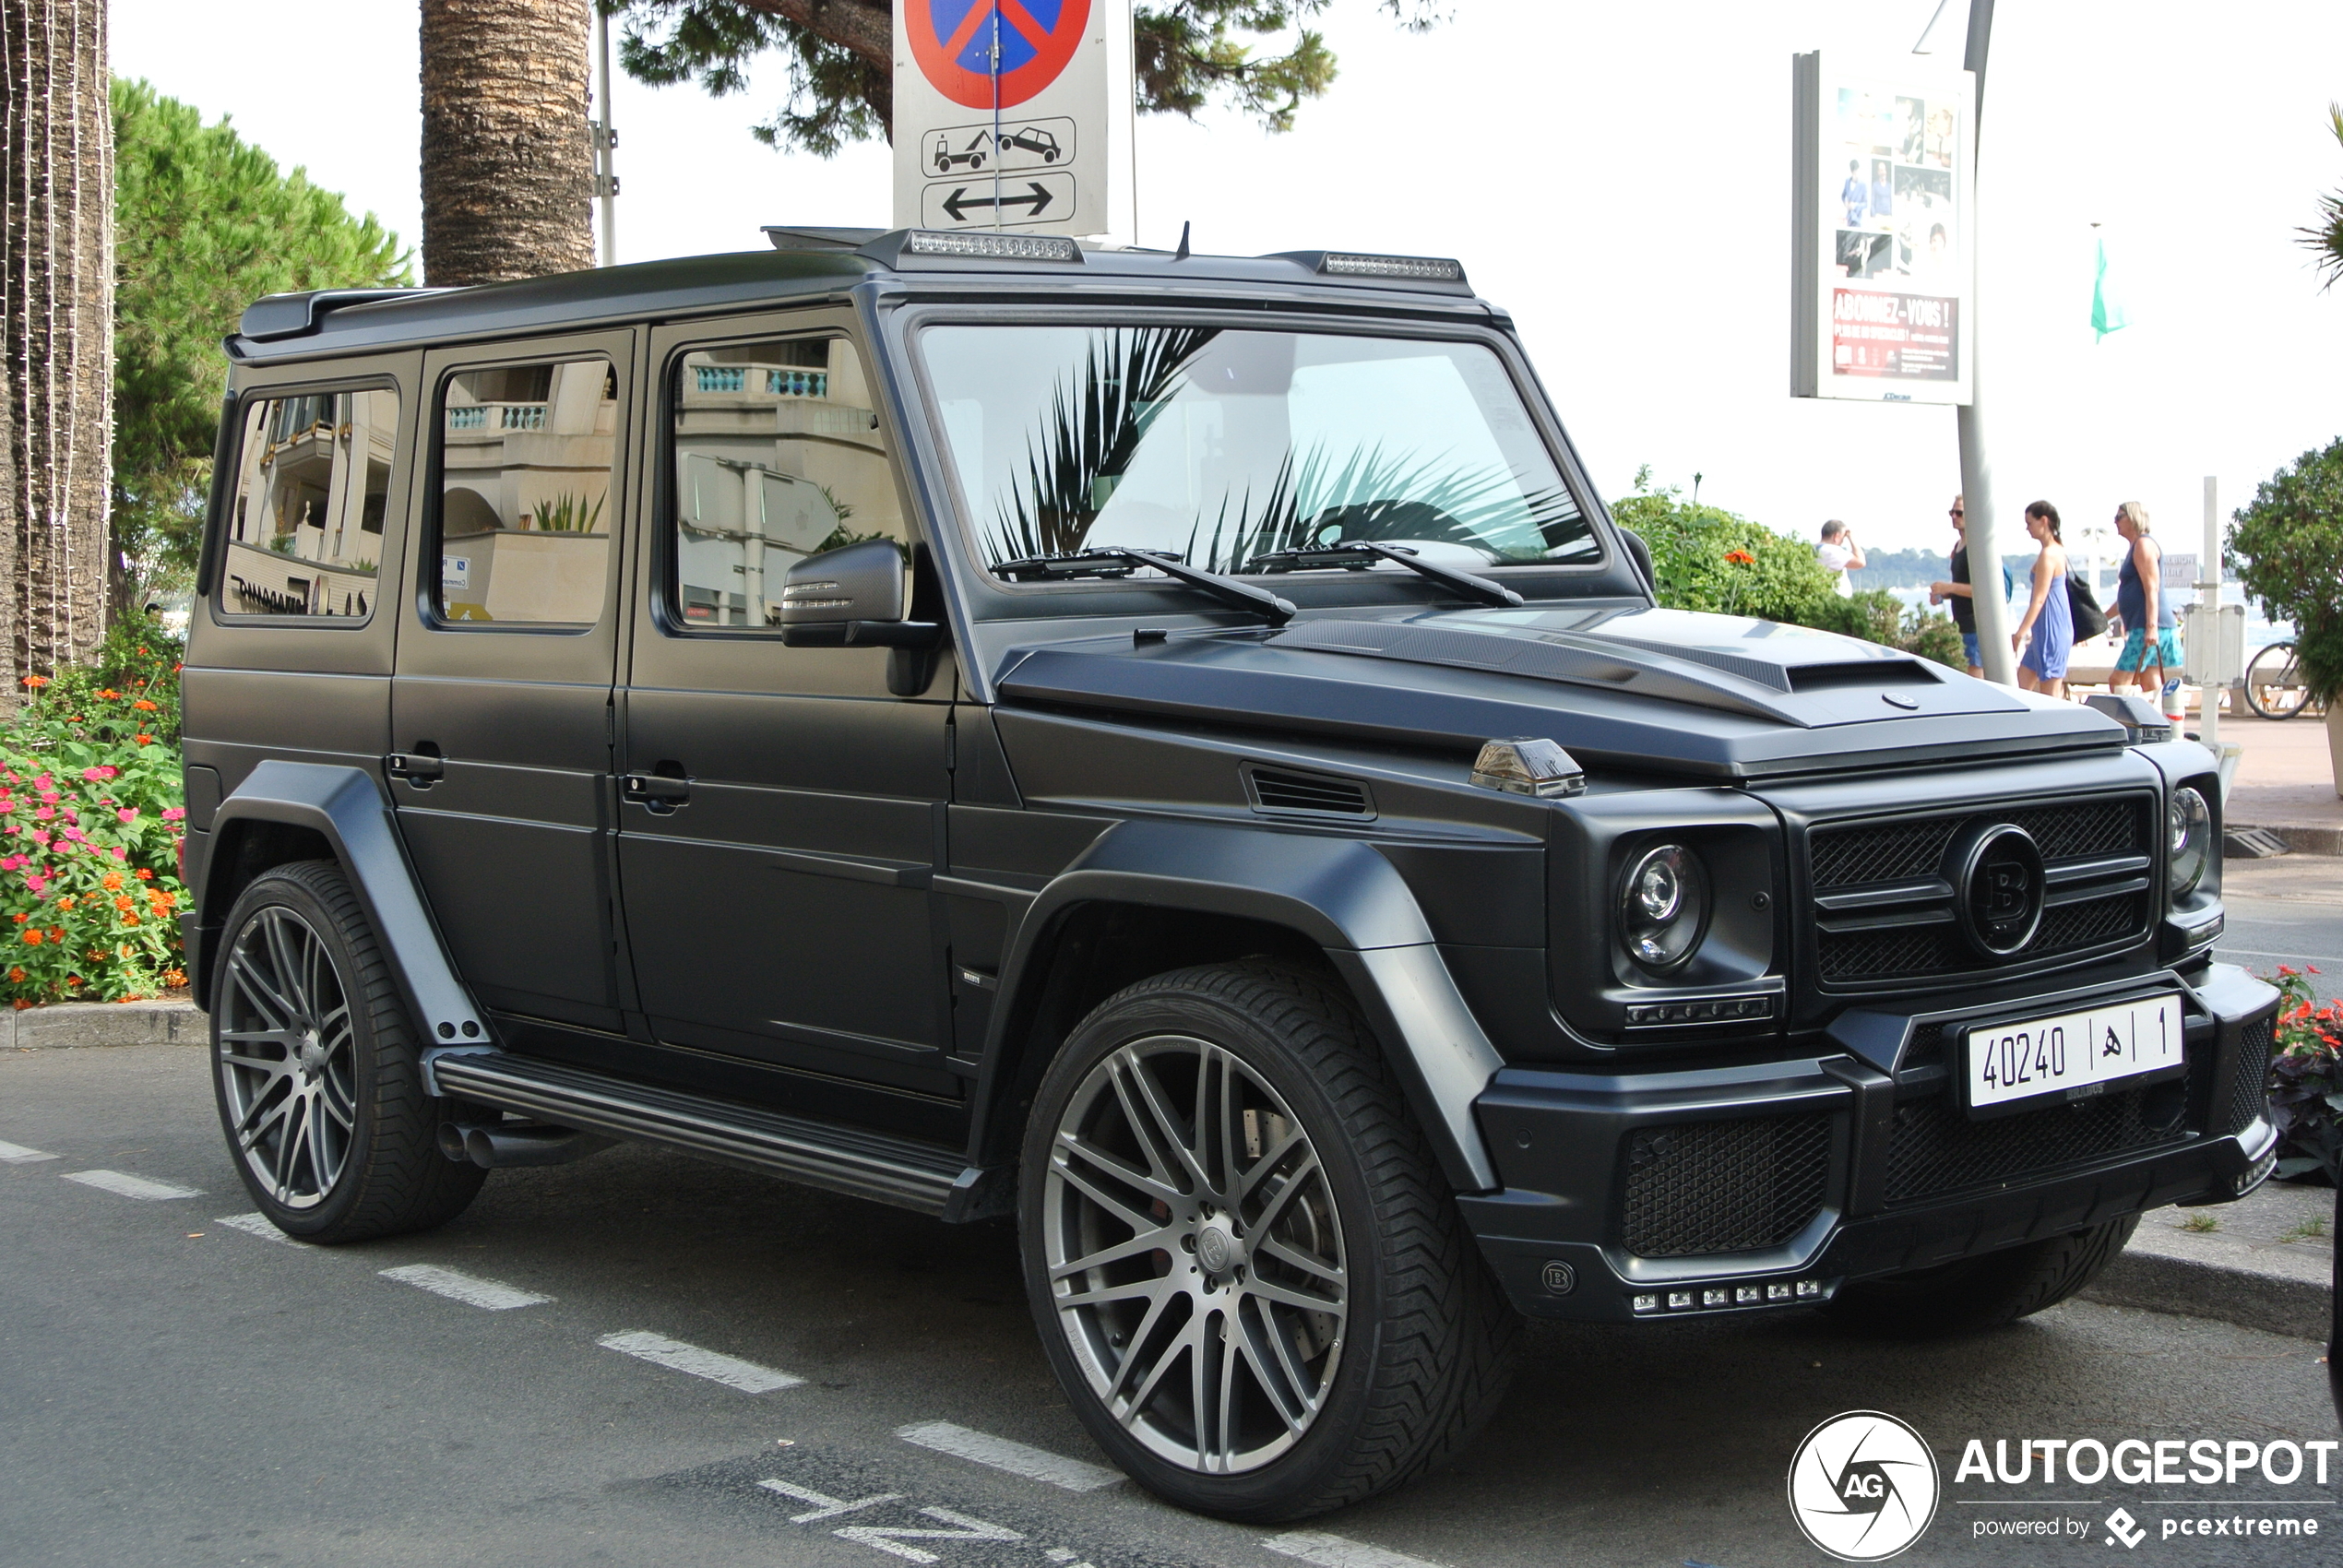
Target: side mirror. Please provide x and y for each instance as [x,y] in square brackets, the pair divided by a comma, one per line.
[854,597]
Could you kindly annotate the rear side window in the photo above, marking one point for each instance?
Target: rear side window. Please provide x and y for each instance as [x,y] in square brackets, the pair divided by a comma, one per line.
[776,455]
[305,536]
[524,459]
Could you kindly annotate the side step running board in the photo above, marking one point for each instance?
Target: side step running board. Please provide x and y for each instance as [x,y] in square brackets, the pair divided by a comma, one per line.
[862,1164]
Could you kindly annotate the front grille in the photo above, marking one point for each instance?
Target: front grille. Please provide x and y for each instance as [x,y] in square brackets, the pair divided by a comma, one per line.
[1912,936]
[1935,1148]
[2250,1096]
[1705,1187]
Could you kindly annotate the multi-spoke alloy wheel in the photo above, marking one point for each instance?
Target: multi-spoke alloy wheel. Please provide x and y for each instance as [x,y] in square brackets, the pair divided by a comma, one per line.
[1194,1253]
[1249,1275]
[286,1071]
[314,1066]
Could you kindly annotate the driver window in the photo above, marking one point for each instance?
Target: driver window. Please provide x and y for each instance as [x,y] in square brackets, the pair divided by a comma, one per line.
[775,454]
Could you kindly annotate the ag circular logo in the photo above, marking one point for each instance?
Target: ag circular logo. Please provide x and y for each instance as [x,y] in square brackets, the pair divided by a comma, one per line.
[1999,878]
[1862,1486]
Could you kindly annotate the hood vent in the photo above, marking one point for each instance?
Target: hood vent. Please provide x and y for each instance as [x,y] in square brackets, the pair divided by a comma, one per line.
[1277,793]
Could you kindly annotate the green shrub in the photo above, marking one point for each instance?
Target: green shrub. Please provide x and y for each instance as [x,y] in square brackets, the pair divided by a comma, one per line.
[1707,558]
[89,824]
[2286,547]
[2306,1080]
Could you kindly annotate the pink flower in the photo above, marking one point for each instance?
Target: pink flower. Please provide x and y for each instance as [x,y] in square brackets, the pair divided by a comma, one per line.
[39,837]
[44,814]
[38,882]
[97,774]
[49,796]
[121,854]
[173,813]
[73,835]
[127,815]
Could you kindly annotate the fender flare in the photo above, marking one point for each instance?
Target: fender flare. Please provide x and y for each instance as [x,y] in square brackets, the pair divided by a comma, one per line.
[1337,893]
[346,807]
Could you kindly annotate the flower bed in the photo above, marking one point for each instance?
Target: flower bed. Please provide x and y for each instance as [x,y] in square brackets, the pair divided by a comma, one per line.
[89,824]
[2306,1081]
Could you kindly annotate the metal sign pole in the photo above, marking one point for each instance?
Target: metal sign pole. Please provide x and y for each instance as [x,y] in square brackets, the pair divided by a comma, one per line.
[2208,585]
[606,146]
[1976,472]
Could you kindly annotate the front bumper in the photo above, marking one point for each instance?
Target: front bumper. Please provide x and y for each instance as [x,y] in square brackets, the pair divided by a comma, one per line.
[1639,1196]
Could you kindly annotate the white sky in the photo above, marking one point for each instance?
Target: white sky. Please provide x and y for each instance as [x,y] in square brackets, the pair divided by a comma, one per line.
[1618,176]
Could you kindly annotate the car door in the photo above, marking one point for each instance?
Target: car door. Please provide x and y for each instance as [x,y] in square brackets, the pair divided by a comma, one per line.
[781,809]
[501,713]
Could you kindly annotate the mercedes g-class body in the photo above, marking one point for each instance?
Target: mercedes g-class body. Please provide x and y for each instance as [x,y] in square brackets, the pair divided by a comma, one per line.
[1170,748]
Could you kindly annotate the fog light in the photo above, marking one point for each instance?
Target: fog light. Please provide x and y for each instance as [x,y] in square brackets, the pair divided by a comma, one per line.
[1679,1299]
[1647,1303]
[1746,1294]
[1715,1298]
[1809,1289]
[1777,1292]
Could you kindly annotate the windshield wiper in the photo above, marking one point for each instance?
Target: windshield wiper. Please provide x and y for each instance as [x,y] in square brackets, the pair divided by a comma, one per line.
[1367,552]
[1110,561]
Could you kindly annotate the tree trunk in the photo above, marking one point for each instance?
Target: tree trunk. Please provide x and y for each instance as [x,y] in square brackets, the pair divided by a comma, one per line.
[56,335]
[508,175]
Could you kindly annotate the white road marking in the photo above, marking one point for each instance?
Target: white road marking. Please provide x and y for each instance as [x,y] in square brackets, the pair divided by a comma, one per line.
[17,1154]
[254,1225]
[825,1508]
[130,1186]
[486,1293]
[1059,1554]
[676,1356]
[890,1537]
[1335,1551]
[1033,1463]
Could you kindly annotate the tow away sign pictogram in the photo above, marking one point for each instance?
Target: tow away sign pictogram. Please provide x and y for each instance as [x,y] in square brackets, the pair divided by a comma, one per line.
[1014,114]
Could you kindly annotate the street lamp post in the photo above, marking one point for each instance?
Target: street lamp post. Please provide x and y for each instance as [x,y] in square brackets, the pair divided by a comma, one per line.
[1991,605]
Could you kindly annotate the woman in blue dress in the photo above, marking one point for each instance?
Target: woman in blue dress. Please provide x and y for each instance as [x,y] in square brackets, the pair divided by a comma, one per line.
[2045,638]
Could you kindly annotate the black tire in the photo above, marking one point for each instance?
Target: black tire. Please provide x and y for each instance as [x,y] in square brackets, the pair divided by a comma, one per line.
[1339,1171]
[1984,1292]
[299,1057]
[2275,670]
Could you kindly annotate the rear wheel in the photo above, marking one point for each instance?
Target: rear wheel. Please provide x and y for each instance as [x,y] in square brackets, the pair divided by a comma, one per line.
[1983,1293]
[314,1065]
[1248,1273]
[2274,685]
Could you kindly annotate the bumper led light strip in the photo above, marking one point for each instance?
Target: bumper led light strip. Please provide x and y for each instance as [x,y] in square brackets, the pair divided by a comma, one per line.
[1719,1298]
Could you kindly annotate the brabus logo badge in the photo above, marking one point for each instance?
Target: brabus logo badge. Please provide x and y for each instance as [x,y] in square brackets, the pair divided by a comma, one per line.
[1997,876]
[1863,1486]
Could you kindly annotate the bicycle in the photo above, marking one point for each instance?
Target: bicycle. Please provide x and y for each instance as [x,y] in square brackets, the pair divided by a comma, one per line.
[2274,683]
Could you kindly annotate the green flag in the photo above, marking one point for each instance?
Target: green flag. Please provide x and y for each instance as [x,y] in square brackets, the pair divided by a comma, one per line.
[2107,311]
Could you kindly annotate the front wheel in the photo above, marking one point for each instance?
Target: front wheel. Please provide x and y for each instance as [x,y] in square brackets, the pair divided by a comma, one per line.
[1982,1292]
[1249,1275]
[314,1064]
[2274,685]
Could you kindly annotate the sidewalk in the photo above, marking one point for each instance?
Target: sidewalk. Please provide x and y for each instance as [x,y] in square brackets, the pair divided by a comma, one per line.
[2284,783]
[2269,1263]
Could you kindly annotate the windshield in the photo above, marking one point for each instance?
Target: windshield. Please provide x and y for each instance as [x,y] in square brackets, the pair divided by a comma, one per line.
[1222,445]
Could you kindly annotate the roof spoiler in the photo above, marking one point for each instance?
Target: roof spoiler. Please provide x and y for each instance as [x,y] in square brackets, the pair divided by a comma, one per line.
[296,315]
[789,237]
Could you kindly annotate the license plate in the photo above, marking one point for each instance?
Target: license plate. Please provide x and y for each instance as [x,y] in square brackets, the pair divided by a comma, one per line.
[2072,1055]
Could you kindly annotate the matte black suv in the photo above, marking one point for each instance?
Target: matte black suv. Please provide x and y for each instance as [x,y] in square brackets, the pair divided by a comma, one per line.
[1171,749]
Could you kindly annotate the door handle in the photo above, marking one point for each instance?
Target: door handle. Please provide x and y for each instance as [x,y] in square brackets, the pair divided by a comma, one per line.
[418,768]
[656,792]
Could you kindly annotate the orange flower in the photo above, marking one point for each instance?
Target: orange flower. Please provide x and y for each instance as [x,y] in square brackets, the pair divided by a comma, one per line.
[143,705]
[124,903]
[173,979]
[57,933]
[1741,558]
[129,919]
[17,975]
[145,740]
[110,693]
[143,874]
[33,938]
[110,881]
[68,902]
[21,918]
[36,682]
[22,1002]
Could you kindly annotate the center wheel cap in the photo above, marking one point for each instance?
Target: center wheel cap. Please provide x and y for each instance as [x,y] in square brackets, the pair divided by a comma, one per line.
[1215,1250]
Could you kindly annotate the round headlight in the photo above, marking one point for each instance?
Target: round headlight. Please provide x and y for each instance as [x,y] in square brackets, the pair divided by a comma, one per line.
[2189,849]
[1663,908]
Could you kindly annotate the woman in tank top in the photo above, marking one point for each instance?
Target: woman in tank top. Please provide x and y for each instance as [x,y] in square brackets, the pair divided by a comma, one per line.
[2149,639]
[2046,636]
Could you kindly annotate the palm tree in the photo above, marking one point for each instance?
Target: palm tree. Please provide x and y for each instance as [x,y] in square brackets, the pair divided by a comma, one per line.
[508,178]
[2325,237]
[56,335]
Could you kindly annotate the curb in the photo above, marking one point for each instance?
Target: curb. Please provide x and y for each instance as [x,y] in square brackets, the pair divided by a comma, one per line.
[68,1025]
[2275,1291]
[2302,840]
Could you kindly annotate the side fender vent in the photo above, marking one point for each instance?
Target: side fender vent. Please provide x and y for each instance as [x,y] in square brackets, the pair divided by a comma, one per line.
[1278,792]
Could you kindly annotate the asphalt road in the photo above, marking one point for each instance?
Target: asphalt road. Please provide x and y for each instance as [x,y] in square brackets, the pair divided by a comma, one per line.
[176,1390]
[2286,910]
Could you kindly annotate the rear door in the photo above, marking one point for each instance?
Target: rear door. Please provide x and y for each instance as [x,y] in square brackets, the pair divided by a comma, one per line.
[783,812]
[501,703]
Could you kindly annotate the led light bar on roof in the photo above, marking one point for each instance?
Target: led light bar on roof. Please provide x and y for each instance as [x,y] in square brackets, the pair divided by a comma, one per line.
[1423,269]
[993,247]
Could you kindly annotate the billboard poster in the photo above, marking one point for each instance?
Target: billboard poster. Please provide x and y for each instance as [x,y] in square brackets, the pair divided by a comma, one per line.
[1884,259]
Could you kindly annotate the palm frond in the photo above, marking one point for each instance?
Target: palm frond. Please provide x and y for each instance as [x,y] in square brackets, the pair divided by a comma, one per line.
[2326,236]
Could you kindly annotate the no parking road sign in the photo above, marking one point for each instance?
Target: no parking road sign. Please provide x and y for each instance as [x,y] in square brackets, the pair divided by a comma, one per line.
[993,54]
[1014,114]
